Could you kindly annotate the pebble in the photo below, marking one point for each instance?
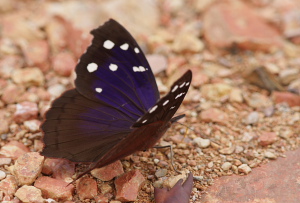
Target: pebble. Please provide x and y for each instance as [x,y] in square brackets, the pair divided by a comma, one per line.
[244,168]
[28,77]
[25,111]
[86,188]
[32,125]
[252,118]
[5,161]
[64,63]
[216,92]
[226,166]
[210,164]
[202,143]
[287,97]
[227,151]
[270,155]
[267,138]
[185,42]
[161,173]
[214,115]
[14,149]
[56,90]
[108,172]
[29,194]
[2,174]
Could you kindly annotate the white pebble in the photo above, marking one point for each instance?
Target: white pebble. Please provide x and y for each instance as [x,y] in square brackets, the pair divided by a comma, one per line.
[226,166]
[2,175]
[244,168]
[202,143]
[270,155]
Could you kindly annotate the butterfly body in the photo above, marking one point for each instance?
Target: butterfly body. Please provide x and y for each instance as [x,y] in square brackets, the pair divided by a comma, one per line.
[114,109]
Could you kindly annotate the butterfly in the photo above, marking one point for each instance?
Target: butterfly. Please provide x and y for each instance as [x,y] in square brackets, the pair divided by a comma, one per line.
[114,109]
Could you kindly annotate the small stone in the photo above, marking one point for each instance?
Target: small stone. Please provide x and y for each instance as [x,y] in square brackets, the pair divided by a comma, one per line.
[252,118]
[28,77]
[210,164]
[14,149]
[244,168]
[257,100]
[156,161]
[128,185]
[29,194]
[228,150]
[239,149]
[287,97]
[56,90]
[5,161]
[161,173]
[25,111]
[267,138]
[2,175]
[4,122]
[28,167]
[105,188]
[202,143]
[171,181]
[216,92]
[86,188]
[64,63]
[32,125]
[61,169]
[56,189]
[226,166]
[186,42]
[11,93]
[158,62]
[101,199]
[10,63]
[8,185]
[270,155]
[108,172]
[236,95]
[214,115]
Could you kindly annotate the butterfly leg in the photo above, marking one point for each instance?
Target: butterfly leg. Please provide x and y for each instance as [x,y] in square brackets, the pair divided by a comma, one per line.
[172,153]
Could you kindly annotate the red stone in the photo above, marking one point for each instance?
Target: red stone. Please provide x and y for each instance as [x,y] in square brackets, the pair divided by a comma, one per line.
[213,115]
[14,149]
[57,34]
[64,63]
[287,97]
[86,188]
[10,63]
[232,22]
[128,185]
[9,185]
[4,121]
[56,189]
[25,111]
[28,167]
[12,93]
[30,194]
[267,138]
[108,172]
[59,168]
[263,184]
[101,199]
[37,54]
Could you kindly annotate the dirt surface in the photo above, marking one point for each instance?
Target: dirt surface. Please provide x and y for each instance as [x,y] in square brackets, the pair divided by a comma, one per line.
[242,110]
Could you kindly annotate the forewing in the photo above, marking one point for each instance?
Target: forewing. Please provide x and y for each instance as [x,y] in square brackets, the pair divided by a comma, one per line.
[167,106]
[82,130]
[115,71]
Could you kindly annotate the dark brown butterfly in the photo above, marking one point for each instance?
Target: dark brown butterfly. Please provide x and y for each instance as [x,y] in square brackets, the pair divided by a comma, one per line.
[115,108]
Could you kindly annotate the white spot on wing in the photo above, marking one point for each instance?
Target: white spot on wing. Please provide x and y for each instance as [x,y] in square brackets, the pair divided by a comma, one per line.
[136,50]
[91,67]
[142,69]
[175,88]
[172,107]
[166,102]
[113,67]
[144,121]
[179,95]
[153,109]
[187,83]
[108,44]
[124,46]
[136,69]
[182,85]
[98,89]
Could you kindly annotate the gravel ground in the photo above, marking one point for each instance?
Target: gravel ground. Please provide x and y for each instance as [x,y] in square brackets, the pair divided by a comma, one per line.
[242,110]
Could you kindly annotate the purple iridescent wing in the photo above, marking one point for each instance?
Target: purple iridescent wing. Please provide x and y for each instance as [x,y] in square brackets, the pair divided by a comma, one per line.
[115,71]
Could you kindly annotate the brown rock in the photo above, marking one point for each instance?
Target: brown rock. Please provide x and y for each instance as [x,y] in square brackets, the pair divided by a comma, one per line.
[14,149]
[64,63]
[128,185]
[9,185]
[56,189]
[86,188]
[59,168]
[287,97]
[101,199]
[28,77]
[108,172]
[4,122]
[213,115]
[267,138]
[28,167]
[25,111]
[57,34]
[263,184]
[232,22]
[10,63]
[11,93]
[37,54]
[29,194]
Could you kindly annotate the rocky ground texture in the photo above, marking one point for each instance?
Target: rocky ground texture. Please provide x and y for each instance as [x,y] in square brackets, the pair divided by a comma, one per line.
[243,108]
